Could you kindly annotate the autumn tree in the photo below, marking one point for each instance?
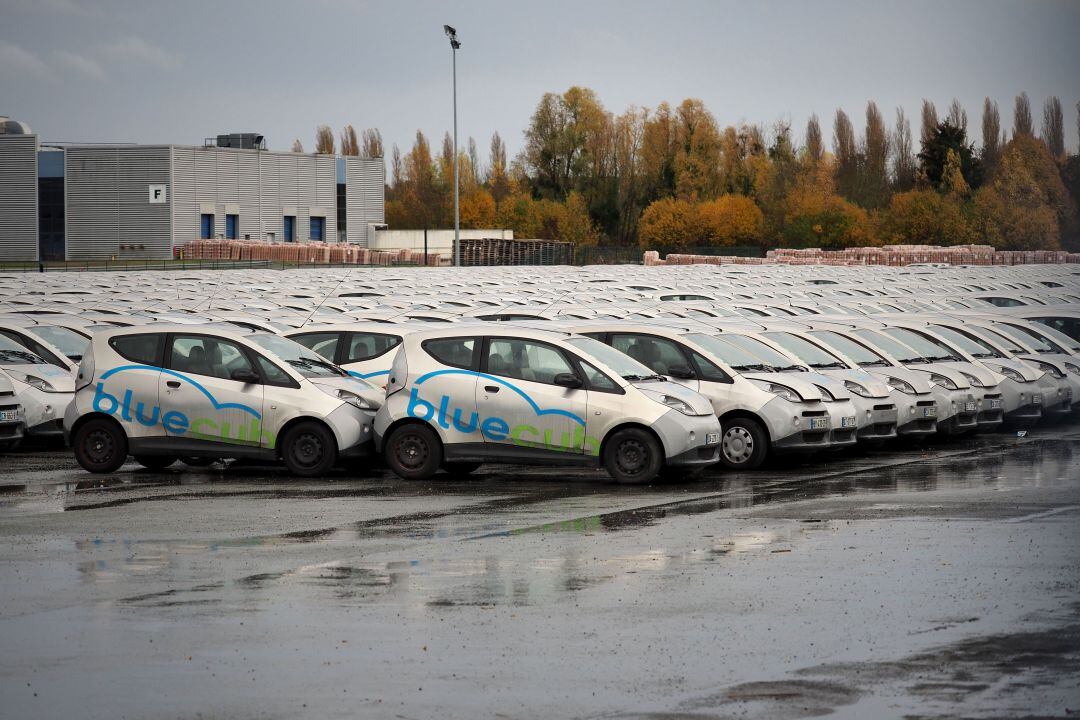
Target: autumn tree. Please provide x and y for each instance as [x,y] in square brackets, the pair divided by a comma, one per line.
[557,140]
[697,151]
[731,220]
[991,135]
[873,190]
[925,217]
[846,153]
[935,153]
[957,115]
[371,143]
[815,144]
[498,180]
[324,140]
[297,146]
[1022,123]
[1053,128]
[817,217]
[903,154]
[670,224]
[929,121]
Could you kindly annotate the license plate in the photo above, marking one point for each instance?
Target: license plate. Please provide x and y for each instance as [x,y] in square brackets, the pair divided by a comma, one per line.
[847,422]
[712,438]
[6,415]
[929,412]
[819,423]
[970,406]
[995,403]
[1036,399]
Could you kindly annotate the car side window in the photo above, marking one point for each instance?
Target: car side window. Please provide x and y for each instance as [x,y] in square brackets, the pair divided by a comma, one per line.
[657,354]
[708,370]
[323,343]
[455,352]
[143,348]
[526,360]
[596,379]
[202,355]
[272,374]
[365,346]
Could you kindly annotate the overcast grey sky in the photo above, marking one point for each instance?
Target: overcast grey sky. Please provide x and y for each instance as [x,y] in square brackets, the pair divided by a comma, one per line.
[175,72]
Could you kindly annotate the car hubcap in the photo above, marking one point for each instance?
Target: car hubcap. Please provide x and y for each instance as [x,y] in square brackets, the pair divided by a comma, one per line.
[738,445]
[99,447]
[412,451]
[632,457]
[308,450]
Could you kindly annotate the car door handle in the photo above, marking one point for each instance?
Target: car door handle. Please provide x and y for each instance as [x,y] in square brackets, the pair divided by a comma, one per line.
[173,383]
[492,388]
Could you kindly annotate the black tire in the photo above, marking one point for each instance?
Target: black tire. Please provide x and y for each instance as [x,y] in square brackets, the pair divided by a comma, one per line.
[414,452]
[633,457]
[460,468]
[100,445]
[743,444]
[308,449]
[198,461]
[155,462]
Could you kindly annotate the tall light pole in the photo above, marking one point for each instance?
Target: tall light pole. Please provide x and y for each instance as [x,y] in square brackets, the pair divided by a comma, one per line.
[454,45]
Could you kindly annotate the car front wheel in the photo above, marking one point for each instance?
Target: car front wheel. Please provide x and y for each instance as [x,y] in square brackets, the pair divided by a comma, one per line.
[633,457]
[308,449]
[100,446]
[743,445]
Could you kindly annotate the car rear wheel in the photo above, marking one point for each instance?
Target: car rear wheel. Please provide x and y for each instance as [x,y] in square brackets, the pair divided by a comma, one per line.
[743,445]
[100,446]
[633,457]
[155,462]
[308,449]
[414,452]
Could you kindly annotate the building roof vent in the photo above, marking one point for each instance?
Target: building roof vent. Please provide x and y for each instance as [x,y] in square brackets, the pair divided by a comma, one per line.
[240,141]
[13,127]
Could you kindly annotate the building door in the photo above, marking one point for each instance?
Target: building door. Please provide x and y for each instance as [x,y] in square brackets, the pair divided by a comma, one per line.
[318,228]
[290,228]
[206,226]
[232,223]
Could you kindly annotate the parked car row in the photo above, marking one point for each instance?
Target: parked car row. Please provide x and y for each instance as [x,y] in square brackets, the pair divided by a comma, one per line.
[640,371]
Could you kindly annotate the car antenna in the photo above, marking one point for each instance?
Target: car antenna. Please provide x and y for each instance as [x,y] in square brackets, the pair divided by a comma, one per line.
[325,298]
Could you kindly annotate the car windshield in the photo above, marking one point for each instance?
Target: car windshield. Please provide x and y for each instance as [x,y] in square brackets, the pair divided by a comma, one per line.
[1041,344]
[69,342]
[862,355]
[12,353]
[932,351]
[806,351]
[306,362]
[626,366]
[979,349]
[1056,336]
[772,359]
[897,349]
[732,355]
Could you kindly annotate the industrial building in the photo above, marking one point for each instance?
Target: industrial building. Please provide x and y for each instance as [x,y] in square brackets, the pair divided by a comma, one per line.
[101,202]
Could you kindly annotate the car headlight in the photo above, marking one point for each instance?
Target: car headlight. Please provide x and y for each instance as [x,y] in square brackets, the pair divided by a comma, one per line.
[357,401]
[676,404]
[779,390]
[826,396]
[858,389]
[944,382]
[38,383]
[972,380]
[902,385]
[1050,370]
[1074,369]
[1012,374]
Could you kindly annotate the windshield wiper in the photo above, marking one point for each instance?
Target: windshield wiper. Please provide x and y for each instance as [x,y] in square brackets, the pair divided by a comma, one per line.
[754,368]
[828,366]
[639,378]
[309,362]
[875,363]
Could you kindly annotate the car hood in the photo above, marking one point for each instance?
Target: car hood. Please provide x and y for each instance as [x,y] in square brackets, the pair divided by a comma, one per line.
[873,384]
[1028,372]
[697,402]
[952,373]
[918,380]
[373,395]
[986,376]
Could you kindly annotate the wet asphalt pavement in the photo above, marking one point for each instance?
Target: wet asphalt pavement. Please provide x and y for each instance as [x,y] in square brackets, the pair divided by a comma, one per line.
[940,581]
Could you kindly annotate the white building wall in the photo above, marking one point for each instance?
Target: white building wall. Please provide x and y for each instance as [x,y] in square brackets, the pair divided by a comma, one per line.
[18,197]
[365,197]
[439,241]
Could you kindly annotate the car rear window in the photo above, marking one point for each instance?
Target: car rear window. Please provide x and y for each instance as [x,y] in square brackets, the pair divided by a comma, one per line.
[455,352]
[365,346]
[142,348]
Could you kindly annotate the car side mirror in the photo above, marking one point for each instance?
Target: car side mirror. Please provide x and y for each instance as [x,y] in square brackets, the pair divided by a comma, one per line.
[681,372]
[244,375]
[567,380]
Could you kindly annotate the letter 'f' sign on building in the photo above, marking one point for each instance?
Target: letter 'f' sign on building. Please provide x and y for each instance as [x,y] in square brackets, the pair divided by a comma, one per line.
[158,194]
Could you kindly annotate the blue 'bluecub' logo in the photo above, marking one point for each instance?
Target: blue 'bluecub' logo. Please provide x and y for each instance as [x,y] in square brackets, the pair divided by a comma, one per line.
[496,428]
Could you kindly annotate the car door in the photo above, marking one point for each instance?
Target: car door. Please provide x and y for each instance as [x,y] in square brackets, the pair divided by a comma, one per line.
[662,356]
[518,402]
[201,400]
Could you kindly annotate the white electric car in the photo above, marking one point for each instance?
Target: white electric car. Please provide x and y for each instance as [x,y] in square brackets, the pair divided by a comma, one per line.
[12,424]
[470,394]
[163,392]
[41,388]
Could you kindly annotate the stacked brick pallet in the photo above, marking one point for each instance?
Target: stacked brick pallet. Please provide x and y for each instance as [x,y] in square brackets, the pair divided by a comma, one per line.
[895,255]
[301,253]
[516,252]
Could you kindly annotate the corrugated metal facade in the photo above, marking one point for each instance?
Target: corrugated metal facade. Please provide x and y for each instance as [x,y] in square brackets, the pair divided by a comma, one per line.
[258,186]
[18,197]
[365,197]
[108,210]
